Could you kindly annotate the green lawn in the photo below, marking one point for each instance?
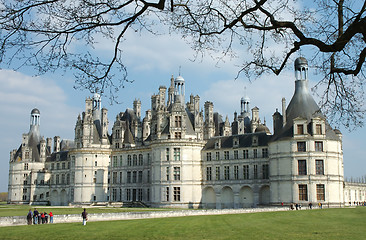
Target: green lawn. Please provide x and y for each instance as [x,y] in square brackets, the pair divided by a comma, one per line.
[347,223]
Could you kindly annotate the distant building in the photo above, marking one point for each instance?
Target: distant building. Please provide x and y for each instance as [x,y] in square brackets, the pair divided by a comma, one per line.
[179,155]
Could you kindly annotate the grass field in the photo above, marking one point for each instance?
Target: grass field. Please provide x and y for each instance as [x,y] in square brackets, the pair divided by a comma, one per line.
[346,223]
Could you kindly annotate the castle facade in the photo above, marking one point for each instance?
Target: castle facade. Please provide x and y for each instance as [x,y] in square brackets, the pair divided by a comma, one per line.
[179,155]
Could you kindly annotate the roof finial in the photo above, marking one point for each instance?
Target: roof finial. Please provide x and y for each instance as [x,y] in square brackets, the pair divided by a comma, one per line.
[179,69]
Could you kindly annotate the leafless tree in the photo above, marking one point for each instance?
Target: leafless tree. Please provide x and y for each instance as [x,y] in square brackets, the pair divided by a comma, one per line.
[265,35]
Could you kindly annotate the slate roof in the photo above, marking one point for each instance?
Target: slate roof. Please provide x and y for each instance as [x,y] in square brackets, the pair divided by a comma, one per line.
[245,140]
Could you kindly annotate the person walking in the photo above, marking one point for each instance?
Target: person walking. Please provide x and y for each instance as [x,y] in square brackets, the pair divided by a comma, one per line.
[51,217]
[84,215]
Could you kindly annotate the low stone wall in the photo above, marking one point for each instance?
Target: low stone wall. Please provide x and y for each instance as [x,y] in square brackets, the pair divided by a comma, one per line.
[69,218]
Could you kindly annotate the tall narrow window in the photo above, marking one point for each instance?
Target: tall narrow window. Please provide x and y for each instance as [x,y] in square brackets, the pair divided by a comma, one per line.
[167,173]
[176,194]
[319,165]
[300,129]
[217,156]
[236,154]
[140,177]
[128,177]
[303,192]
[134,160]
[264,152]
[178,121]
[167,194]
[177,173]
[208,173]
[167,154]
[246,171]
[245,154]
[301,165]
[217,173]
[176,154]
[236,172]
[255,171]
[226,155]
[141,160]
[226,172]
[320,192]
[318,129]
[255,153]
[208,156]
[25,166]
[129,161]
[265,171]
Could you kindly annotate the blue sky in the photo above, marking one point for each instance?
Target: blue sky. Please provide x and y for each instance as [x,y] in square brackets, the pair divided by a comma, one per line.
[151,61]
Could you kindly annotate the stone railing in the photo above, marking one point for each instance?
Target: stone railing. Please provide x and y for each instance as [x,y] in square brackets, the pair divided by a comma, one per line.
[68,218]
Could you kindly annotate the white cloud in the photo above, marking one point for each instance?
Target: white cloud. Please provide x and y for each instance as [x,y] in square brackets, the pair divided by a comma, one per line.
[19,95]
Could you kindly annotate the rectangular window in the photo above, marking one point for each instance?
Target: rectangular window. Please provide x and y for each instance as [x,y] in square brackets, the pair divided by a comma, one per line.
[129,160]
[63,165]
[319,165]
[167,154]
[246,171]
[167,173]
[176,154]
[301,164]
[134,177]
[141,160]
[115,161]
[255,171]
[226,173]
[301,146]
[134,160]
[139,195]
[217,173]
[128,194]
[95,164]
[217,156]
[178,135]
[300,129]
[236,172]
[208,156]
[318,129]
[318,146]
[114,194]
[114,177]
[120,177]
[167,194]
[236,154]
[128,177]
[226,155]
[245,154]
[255,153]
[120,161]
[178,121]
[208,173]
[176,192]
[320,192]
[265,171]
[303,192]
[265,153]
[176,173]
[140,177]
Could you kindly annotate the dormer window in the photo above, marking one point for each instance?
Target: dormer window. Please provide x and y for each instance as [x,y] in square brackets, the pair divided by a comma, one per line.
[300,129]
[235,142]
[318,129]
[218,144]
[255,141]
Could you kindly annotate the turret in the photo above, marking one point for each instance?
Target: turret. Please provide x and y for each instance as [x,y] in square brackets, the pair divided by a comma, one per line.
[56,144]
[137,108]
[35,124]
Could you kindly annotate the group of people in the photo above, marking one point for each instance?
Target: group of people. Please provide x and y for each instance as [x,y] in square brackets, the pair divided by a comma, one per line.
[37,217]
